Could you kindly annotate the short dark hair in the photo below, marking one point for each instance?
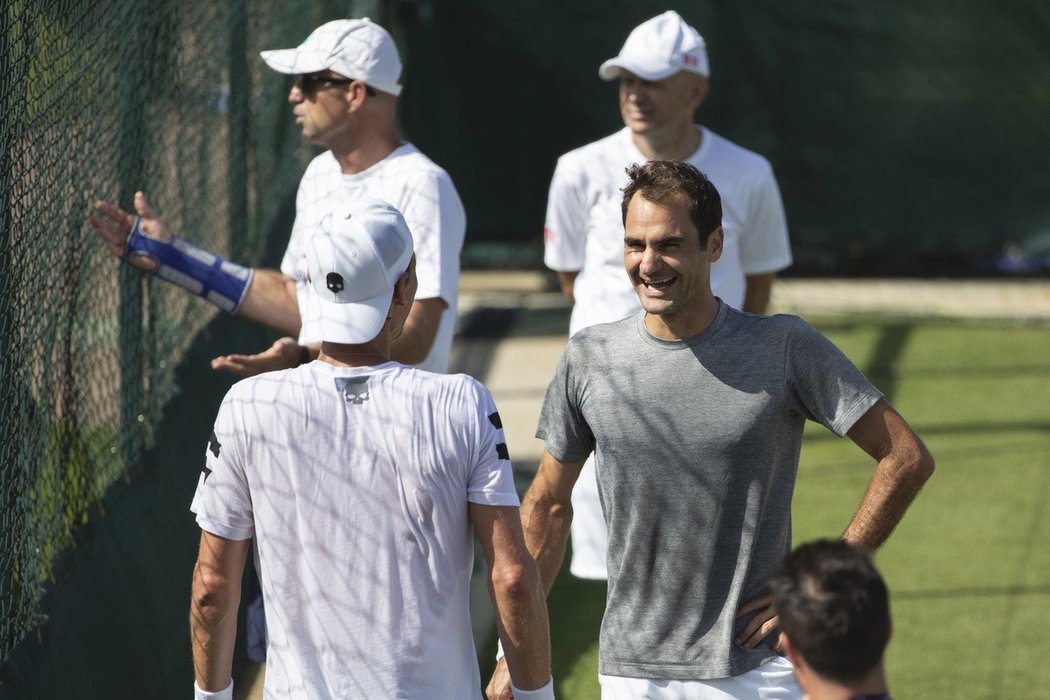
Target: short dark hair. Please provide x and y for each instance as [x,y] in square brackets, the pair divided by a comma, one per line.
[834,608]
[660,180]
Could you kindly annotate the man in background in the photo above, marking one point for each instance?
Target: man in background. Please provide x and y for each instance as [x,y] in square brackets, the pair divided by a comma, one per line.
[835,621]
[345,95]
[663,73]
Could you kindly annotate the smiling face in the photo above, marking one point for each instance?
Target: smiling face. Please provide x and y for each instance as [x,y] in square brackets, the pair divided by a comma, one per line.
[668,267]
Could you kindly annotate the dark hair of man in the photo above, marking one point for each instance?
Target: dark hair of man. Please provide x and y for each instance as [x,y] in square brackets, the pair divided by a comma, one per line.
[662,180]
[834,608]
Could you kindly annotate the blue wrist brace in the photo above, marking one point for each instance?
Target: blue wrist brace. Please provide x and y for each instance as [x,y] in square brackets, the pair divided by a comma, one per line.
[221,282]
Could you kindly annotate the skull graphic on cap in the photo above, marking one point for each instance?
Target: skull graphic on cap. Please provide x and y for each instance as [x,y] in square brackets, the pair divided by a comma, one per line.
[334,281]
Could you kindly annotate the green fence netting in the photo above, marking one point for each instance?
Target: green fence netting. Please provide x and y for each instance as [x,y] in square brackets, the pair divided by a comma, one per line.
[98,100]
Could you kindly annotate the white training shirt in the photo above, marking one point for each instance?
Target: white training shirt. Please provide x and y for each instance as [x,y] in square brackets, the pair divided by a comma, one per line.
[584,226]
[424,194]
[355,484]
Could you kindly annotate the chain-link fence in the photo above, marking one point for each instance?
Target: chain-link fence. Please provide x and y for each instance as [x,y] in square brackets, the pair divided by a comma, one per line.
[101,99]
[907,138]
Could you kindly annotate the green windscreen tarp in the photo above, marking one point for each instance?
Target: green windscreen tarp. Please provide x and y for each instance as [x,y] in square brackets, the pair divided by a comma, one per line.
[908,138]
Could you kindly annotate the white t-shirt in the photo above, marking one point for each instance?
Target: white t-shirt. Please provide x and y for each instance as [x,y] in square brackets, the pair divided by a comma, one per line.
[355,484]
[584,226]
[424,194]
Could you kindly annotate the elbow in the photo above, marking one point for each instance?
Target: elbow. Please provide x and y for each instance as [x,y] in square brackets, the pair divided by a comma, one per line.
[917,466]
[925,466]
[212,594]
[517,581]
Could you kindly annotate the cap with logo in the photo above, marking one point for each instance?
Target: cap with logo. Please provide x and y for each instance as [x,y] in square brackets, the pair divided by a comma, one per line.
[355,48]
[354,260]
[658,48]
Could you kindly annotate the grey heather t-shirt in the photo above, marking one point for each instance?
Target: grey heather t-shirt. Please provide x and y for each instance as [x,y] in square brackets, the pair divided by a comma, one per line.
[697,445]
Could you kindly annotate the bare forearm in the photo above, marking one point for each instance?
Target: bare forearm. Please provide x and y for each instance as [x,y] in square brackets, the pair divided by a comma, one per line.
[757,293]
[213,608]
[213,630]
[546,524]
[894,486]
[522,620]
[271,301]
[567,282]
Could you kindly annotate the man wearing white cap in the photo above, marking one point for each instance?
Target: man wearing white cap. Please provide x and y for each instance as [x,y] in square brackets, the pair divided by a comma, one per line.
[345,99]
[663,73]
[360,479]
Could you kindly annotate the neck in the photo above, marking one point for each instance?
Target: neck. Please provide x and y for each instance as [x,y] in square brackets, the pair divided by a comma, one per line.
[374,352]
[683,324]
[365,151]
[673,143]
[872,684]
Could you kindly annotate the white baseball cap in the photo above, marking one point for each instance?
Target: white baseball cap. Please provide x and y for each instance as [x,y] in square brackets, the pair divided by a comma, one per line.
[658,48]
[353,262]
[356,48]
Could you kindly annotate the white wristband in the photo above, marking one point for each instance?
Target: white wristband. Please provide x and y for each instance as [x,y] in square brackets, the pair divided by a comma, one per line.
[224,694]
[544,693]
[499,650]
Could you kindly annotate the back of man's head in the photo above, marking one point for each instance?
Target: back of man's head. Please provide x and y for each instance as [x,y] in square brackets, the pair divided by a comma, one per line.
[834,609]
[354,261]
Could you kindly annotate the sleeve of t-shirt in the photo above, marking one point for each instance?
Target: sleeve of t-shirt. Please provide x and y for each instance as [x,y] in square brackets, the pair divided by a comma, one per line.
[491,478]
[222,502]
[562,427]
[764,243]
[565,227]
[435,216]
[822,383]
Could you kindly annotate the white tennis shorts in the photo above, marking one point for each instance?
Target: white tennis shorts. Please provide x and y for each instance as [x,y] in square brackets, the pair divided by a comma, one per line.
[771,681]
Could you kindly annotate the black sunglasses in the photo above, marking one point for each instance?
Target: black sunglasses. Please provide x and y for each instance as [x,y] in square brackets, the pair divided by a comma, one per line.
[309,83]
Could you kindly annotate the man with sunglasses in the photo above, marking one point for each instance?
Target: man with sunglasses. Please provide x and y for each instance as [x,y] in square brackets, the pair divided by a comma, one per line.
[344,99]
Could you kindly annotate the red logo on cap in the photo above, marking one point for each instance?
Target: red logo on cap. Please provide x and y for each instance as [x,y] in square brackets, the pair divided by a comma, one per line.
[690,60]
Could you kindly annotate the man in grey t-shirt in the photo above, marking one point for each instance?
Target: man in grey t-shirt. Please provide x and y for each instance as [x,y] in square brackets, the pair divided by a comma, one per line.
[695,413]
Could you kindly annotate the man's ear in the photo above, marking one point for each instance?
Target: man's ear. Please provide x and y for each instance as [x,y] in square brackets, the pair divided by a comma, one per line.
[699,91]
[790,652]
[715,241]
[401,289]
[356,95]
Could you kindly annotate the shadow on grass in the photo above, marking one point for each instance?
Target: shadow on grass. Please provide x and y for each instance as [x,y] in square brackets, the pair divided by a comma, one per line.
[972,592]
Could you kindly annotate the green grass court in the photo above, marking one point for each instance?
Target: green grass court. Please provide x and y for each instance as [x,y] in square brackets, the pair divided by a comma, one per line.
[969,567]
